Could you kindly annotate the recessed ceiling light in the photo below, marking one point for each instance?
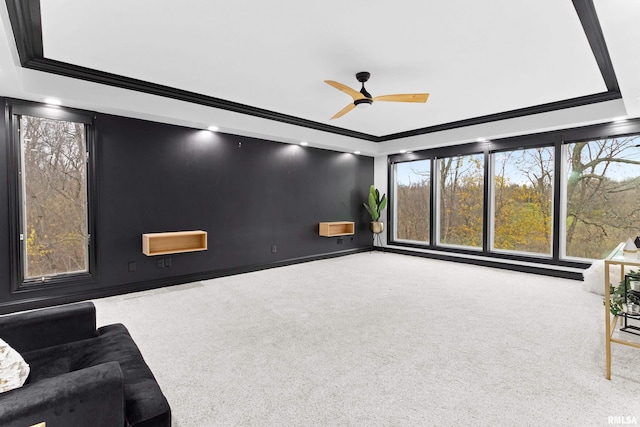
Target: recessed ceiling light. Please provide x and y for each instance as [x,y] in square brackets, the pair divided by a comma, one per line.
[403,151]
[481,139]
[619,119]
[52,101]
[213,128]
[356,152]
[304,143]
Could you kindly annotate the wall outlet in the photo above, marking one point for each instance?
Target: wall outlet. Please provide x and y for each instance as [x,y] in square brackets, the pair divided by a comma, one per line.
[274,249]
[167,262]
[160,263]
[340,240]
[132,266]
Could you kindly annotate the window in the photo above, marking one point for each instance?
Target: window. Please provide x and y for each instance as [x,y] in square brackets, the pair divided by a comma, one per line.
[602,196]
[52,217]
[559,198]
[461,200]
[522,190]
[412,198]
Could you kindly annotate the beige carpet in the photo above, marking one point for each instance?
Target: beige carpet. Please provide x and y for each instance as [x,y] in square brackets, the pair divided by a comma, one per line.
[381,339]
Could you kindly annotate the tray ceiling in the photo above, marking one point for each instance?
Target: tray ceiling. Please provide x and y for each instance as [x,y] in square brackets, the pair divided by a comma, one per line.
[260,66]
[475,58]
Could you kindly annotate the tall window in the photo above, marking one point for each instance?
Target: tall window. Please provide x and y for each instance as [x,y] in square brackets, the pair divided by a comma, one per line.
[602,195]
[522,200]
[461,193]
[412,198]
[52,197]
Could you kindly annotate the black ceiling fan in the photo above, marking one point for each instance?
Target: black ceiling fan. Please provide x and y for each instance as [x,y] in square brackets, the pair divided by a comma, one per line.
[363,98]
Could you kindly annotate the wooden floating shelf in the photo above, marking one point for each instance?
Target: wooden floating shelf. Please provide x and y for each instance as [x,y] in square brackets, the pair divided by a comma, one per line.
[174,242]
[338,228]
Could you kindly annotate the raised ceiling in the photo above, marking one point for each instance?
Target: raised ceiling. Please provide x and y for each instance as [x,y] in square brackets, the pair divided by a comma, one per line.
[477,58]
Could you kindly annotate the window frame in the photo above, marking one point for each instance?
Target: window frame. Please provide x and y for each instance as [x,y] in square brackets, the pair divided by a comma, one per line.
[562,196]
[393,205]
[552,138]
[437,204]
[491,203]
[19,283]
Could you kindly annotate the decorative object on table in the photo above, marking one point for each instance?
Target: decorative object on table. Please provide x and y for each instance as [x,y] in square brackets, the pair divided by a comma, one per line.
[630,248]
[375,205]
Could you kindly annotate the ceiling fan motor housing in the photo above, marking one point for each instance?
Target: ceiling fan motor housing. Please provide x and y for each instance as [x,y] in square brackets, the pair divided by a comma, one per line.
[362,77]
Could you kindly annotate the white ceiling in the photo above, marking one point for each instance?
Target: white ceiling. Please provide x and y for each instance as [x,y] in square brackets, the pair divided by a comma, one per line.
[474,57]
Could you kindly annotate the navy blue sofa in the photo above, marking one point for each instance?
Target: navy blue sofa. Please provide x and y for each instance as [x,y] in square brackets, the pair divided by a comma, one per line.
[80,375]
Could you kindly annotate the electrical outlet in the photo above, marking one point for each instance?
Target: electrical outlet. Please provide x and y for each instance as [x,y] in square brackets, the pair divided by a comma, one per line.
[167,262]
[274,249]
[132,266]
[340,240]
[160,263]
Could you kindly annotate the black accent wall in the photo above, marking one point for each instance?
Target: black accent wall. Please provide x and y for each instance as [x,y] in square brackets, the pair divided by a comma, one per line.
[248,194]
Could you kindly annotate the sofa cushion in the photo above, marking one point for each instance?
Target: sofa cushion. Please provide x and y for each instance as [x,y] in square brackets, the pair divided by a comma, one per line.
[13,369]
[47,363]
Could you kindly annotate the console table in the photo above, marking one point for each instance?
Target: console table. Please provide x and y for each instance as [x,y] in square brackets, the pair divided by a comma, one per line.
[616,257]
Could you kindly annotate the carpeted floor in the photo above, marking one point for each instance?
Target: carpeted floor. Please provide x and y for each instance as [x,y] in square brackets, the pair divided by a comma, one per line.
[381,339]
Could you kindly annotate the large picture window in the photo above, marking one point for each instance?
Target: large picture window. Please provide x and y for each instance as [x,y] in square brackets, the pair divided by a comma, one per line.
[412,198]
[460,198]
[522,200]
[558,198]
[54,196]
[602,195]
[52,183]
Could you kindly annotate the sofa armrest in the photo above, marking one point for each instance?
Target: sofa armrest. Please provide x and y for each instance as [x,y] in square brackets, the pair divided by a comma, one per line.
[32,330]
[93,396]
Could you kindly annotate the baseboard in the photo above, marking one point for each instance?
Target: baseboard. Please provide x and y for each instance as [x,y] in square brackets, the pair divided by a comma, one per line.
[45,301]
[504,265]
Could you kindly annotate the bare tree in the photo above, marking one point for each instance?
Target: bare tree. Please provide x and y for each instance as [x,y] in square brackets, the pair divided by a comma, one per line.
[602,208]
[54,192]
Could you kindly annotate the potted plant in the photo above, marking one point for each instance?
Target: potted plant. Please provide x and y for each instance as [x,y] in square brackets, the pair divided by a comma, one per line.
[375,205]
[617,300]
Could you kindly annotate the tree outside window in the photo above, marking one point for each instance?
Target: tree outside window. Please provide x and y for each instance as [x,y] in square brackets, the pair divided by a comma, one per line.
[412,197]
[54,196]
[602,195]
[523,200]
[461,193]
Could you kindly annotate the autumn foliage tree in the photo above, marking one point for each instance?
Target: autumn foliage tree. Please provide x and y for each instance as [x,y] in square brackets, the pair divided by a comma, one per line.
[523,186]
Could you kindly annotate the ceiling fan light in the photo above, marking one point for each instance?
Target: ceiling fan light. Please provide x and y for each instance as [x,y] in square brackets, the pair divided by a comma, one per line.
[363,103]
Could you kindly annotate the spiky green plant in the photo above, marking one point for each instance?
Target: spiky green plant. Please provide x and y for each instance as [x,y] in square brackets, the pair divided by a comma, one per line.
[376,203]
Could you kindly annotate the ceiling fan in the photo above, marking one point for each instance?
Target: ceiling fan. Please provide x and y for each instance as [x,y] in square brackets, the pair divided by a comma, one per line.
[364,98]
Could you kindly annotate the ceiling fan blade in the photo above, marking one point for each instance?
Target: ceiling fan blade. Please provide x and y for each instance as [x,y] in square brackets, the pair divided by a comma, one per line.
[410,97]
[346,89]
[344,111]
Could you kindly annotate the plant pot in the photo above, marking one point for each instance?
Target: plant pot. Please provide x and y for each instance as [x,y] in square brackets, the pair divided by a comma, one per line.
[377,226]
